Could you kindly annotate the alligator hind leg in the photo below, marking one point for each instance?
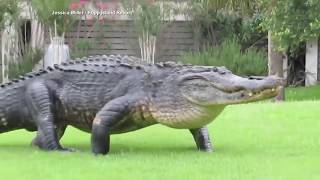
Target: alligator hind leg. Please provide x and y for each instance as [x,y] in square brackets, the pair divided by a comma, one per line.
[39,103]
[60,129]
[202,139]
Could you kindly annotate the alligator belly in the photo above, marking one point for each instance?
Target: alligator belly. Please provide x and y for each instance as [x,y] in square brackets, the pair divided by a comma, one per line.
[123,126]
[127,125]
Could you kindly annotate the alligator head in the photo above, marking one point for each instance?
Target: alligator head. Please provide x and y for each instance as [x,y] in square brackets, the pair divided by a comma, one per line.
[221,87]
[194,96]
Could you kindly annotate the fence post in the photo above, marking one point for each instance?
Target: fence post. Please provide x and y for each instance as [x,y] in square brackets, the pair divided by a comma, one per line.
[311,69]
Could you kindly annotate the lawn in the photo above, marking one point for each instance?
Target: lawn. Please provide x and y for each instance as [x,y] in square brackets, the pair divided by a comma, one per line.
[302,93]
[255,141]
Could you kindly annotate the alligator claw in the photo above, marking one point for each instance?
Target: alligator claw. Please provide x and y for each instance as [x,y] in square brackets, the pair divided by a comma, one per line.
[67,150]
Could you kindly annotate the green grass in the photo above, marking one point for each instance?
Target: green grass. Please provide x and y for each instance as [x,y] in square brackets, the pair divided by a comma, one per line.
[255,141]
[303,93]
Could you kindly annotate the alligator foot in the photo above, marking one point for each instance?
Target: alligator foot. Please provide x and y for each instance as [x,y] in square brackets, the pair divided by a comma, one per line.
[202,139]
[34,143]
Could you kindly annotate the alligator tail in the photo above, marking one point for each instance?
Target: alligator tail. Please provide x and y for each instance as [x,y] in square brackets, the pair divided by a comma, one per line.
[10,105]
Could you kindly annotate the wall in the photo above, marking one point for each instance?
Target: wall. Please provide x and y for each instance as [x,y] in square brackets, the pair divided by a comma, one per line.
[120,37]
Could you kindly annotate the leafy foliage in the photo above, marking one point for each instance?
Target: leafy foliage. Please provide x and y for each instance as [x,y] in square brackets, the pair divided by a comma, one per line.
[25,63]
[149,18]
[228,54]
[291,21]
[148,15]
[45,8]
[241,6]
[9,7]
[214,27]
[251,34]
[215,21]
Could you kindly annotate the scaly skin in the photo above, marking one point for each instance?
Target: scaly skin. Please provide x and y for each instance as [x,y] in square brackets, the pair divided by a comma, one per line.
[116,94]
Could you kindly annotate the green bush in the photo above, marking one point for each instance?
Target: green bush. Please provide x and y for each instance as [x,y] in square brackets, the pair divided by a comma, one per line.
[228,54]
[25,63]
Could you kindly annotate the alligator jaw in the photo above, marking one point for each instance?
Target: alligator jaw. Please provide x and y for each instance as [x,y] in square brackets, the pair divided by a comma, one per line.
[254,90]
[251,96]
[211,90]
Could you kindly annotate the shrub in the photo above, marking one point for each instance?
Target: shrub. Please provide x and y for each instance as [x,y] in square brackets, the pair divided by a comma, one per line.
[25,63]
[229,54]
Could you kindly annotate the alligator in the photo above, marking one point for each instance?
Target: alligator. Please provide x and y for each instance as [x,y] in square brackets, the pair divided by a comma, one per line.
[108,95]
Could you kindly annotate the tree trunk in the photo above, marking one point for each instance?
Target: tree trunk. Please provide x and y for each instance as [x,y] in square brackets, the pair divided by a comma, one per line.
[275,65]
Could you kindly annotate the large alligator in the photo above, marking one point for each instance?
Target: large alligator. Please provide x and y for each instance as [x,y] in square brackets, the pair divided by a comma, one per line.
[113,94]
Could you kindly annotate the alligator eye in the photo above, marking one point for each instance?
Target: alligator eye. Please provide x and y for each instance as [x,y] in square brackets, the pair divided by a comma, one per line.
[215,69]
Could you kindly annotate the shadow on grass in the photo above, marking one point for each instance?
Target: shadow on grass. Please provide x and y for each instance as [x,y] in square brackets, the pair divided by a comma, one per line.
[123,151]
[152,149]
[148,149]
[116,148]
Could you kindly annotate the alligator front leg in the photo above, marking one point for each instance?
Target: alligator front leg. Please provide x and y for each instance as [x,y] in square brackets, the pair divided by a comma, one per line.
[110,114]
[40,106]
[202,139]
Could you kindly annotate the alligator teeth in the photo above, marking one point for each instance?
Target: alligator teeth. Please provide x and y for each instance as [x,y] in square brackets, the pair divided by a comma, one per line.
[250,94]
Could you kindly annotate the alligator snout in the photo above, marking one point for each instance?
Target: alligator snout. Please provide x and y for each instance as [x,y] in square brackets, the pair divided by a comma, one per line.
[256,84]
[274,79]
